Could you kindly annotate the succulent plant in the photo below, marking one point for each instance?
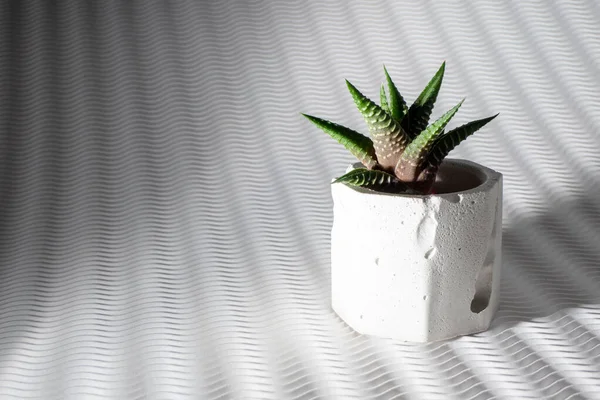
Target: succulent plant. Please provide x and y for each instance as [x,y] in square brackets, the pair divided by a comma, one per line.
[405,152]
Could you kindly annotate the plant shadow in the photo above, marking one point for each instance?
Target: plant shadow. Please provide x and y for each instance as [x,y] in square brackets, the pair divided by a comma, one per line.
[551,263]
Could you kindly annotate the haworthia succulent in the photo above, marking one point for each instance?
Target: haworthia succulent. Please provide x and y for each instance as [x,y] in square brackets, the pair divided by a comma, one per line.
[420,146]
[402,140]
[397,105]
[448,141]
[359,145]
[383,100]
[372,179]
[418,114]
[389,139]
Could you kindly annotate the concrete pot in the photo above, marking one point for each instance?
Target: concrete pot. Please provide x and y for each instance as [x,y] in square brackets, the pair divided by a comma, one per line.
[419,268]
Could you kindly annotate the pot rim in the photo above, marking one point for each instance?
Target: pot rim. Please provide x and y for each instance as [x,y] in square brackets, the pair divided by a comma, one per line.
[488,178]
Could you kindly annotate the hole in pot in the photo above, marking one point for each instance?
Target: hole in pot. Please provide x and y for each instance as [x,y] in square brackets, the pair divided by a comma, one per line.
[454,198]
[483,285]
[430,253]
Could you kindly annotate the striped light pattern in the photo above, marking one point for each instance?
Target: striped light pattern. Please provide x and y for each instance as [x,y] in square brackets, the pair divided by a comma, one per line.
[165,211]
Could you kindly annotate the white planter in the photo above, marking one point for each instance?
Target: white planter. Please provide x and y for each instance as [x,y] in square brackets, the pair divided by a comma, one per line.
[419,268]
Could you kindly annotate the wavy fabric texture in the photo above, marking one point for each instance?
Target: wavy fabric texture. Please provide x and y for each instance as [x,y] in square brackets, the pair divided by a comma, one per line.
[165,210]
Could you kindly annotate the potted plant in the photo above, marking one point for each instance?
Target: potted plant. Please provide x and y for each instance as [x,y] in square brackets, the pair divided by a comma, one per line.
[415,242]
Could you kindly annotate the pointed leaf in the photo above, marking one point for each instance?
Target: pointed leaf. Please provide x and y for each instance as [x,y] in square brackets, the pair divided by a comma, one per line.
[359,145]
[373,179]
[419,147]
[418,114]
[389,139]
[397,105]
[383,100]
[447,142]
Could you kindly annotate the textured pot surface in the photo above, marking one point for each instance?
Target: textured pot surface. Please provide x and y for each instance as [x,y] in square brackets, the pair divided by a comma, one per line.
[419,268]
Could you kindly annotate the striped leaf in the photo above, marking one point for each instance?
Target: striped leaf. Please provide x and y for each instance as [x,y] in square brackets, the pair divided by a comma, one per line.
[359,145]
[419,147]
[389,139]
[418,114]
[397,107]
[373,179]
[447,142]
[383,100]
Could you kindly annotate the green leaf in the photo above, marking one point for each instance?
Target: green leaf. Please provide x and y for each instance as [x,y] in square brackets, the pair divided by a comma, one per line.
[397,105]
[419,112]
[389,139]
[383,100]
[359,145]
[373,179]
[420,146]
[447,142]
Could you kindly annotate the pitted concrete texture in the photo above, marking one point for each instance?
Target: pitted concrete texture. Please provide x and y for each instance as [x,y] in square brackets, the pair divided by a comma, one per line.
[419,268]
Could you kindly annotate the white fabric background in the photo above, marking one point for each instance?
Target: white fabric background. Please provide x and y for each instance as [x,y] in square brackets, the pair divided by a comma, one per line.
[165,210]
